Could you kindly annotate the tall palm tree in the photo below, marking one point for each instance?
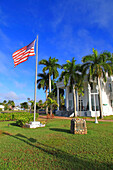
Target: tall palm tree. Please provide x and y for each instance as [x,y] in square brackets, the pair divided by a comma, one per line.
[96,66]
[50,102]
[51,66]
[43,82]
[71,75]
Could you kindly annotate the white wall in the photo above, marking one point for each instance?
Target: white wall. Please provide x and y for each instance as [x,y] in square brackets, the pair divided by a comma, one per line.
[2,107]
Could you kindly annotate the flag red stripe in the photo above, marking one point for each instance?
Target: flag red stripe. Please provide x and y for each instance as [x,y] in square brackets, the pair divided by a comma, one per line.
[19,50]
[27,55]
[22,54]
[18,53]
[20,62]
[22,59]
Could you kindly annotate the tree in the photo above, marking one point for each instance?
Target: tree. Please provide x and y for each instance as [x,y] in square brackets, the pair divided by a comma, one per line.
[11,103]
[71,75]
[4,102]
[50,102]
[80,90]
[96,66]
[24,105]
[51,66]
[32,105]
[43,82]
[53,94]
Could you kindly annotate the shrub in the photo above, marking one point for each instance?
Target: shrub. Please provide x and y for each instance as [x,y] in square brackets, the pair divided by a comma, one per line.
[21,121]
[13,116]
[21,117]
[26,118]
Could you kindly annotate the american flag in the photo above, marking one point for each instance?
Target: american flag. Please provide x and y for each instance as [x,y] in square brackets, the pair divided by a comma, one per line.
[22,55]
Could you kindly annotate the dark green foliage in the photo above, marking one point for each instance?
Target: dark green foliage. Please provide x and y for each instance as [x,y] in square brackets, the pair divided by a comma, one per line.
[17,116]
[51,65]
[24,105]
[21,121]
[96,65]
[25,119]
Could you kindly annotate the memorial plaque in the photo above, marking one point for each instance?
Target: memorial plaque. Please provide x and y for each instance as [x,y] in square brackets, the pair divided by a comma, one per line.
[78,126]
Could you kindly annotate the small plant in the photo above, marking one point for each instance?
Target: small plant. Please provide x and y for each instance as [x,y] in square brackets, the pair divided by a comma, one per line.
[26,118]
[21,121]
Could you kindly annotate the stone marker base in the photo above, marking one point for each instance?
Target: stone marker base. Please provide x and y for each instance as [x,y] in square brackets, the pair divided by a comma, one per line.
[34,125]
[78,126]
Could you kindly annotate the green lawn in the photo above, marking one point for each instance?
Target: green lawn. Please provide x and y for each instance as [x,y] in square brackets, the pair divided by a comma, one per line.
[104,117]
[108,117]
[54,147]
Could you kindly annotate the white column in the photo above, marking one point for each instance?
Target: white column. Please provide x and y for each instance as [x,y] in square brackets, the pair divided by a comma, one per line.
[58,98]
[77,100]
[67,99]
[89,94]
[96,121]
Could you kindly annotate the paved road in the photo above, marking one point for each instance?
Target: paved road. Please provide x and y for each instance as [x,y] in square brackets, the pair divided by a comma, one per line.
[87,119]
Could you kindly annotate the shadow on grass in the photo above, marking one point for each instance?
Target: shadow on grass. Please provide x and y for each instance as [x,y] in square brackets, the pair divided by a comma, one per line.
[14,124]
[60,130]
[64,159]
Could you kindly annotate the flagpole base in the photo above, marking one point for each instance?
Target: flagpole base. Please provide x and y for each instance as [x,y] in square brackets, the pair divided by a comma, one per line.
[34,125]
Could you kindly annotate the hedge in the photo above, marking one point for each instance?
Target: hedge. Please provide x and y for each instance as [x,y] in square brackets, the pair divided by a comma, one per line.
[20,117]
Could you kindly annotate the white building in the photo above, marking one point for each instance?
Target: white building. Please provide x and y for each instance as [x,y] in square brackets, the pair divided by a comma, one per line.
[2,107]
[87,104]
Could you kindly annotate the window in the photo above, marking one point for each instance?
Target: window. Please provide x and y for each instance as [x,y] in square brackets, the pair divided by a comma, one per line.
[111,103]
[70,104]
[80,105]
[70,89]
[110,87]
[91,86]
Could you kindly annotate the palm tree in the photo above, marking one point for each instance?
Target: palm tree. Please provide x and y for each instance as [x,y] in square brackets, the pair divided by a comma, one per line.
[71,75]
[43,82]
[80,90]
[51,66]
[50,102]
[96,66]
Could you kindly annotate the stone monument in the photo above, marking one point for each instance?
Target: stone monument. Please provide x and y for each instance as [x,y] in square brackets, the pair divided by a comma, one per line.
[78,126]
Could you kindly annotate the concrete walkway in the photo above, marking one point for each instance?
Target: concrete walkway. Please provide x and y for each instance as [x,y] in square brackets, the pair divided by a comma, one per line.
[69,118]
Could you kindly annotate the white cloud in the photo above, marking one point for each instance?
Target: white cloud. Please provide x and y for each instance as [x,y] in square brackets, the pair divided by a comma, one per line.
[20,85]
[13,96]
[3,18]
[4,37]
[5,64]
[101,13]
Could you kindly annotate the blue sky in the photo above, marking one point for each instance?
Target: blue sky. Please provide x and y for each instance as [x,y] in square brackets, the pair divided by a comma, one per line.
[66,29]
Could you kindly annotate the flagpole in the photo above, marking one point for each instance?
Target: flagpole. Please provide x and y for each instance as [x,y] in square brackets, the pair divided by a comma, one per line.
[36,78]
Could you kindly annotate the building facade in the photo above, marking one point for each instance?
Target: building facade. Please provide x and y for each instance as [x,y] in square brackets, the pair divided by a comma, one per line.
[88,104]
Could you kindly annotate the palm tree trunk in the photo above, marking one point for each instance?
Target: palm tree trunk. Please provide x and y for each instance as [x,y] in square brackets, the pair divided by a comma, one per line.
[50,92]
[46,100]
[100,99]
[49,83]
[74,101]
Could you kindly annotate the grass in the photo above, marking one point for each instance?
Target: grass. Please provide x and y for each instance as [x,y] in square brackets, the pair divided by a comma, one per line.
[104,117]
[54,147]
[108,117]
